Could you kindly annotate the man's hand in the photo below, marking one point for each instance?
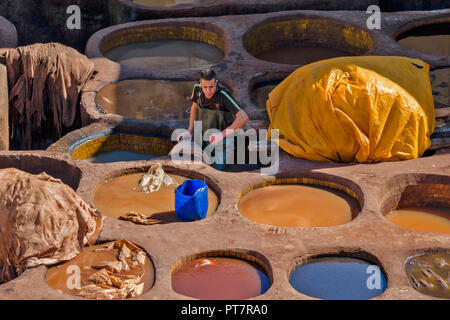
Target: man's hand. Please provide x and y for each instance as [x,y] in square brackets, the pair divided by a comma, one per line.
[186,135]
[216,138]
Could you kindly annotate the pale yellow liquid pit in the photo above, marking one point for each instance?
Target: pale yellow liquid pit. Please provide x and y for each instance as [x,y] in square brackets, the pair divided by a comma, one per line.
[422,219]
[297,206]
[120,195]
[166,55]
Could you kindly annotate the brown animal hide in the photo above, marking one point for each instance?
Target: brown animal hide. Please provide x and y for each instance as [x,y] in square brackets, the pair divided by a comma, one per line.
[42,221]
[45,82]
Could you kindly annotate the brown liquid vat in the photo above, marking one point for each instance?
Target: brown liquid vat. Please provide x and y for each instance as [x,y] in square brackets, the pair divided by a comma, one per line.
[90,261]
[431,38]
[421,219]
[152,100]
[222,274]
[120,194]
[299,202]
[144,99]
[303,41]
[417,201]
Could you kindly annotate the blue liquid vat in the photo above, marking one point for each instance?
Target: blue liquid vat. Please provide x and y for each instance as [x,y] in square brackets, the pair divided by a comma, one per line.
[335,278]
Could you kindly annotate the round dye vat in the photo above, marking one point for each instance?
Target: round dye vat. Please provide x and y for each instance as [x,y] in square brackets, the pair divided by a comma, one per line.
[338,278]
[120,155]
[220,278]
[440,85]
[154,100]
[433,38]
[89,262]
[298,206]
[167,55]
[301,55]
[303,41]
[429,274]
[121,195]
[422,219]
[167,3]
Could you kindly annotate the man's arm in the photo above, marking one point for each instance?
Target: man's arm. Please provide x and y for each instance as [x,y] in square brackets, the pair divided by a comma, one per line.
[241,118]
[193,116]
[239,122]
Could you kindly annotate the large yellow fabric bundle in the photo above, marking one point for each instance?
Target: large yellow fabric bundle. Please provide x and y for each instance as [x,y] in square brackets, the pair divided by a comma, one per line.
[355,109]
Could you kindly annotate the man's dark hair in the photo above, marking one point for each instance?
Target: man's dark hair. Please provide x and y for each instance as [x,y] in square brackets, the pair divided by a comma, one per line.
[208,74]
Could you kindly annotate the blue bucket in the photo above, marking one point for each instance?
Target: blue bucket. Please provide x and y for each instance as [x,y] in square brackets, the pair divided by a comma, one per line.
[191,200]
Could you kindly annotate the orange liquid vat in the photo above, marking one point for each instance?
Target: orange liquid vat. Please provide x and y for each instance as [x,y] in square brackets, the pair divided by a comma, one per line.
[422,219]
[298,206]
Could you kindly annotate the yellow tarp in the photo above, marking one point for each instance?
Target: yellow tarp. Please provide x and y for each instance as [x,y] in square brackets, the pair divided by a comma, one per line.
[355,109]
